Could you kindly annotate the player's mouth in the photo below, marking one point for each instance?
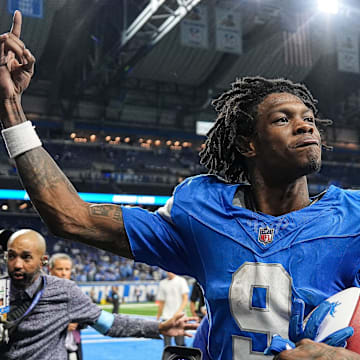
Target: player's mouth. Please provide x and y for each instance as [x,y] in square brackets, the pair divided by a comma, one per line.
[306,143]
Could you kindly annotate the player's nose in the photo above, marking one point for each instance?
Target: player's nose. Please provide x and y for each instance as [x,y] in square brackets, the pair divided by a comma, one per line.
[302,126]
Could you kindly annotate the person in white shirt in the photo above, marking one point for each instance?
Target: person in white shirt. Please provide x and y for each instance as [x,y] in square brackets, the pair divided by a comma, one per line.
[172,297]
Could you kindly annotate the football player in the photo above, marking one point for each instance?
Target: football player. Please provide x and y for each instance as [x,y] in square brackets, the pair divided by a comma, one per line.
[248,231]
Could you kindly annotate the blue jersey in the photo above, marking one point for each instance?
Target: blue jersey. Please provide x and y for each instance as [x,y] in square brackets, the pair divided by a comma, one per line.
[250,265]
[201,338]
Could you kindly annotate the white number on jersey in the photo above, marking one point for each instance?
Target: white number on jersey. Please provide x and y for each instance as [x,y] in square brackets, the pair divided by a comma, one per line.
[268,314]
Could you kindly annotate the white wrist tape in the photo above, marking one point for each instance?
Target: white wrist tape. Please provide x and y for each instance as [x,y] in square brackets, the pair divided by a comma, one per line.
[20,138]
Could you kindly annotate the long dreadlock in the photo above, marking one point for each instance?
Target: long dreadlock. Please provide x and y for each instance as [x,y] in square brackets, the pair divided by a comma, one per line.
[237,111]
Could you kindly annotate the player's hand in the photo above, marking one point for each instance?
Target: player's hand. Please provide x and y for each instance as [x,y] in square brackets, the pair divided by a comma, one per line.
[72,326]
[177,325]
[278,344]
[298,331]
[16,62]
[309,350]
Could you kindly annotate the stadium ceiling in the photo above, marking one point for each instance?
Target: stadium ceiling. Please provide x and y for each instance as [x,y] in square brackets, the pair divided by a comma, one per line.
[131,51]
[156,20]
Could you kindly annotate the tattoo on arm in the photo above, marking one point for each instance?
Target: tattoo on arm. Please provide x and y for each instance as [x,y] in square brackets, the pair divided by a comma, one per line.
[64,212]
[100,210]
[11,112]
[117,215]
[39,173]
[112,215]
[109,211]
[56,199]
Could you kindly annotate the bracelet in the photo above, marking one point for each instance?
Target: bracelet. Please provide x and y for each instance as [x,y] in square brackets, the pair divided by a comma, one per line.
[20,138]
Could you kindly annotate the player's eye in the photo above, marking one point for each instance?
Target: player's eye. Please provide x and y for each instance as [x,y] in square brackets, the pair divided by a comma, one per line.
[281,120]
[309,119]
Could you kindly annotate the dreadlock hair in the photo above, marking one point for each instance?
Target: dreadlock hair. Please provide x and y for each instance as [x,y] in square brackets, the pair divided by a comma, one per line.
[237,112]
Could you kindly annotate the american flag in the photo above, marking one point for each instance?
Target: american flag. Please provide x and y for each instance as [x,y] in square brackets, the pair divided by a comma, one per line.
[296,37]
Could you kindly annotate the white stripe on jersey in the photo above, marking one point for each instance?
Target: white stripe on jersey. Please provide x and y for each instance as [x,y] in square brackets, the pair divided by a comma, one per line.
[165,211]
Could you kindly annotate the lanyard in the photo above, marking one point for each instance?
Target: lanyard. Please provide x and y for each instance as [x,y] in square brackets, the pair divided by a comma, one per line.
[36,299]
[12,324]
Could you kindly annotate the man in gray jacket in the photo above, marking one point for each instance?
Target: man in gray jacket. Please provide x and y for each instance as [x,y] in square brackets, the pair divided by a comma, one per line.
[42,306]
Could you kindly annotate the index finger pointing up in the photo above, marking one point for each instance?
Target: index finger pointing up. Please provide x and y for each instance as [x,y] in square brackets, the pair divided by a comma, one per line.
[16,25]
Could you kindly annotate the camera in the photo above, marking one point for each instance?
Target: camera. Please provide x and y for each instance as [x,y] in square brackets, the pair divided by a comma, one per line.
[181,353]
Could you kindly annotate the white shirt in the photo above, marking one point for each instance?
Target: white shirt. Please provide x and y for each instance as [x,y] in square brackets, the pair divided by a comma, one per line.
[171,292]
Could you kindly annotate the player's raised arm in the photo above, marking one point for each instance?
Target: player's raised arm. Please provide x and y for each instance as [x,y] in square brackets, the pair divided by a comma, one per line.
[49,189]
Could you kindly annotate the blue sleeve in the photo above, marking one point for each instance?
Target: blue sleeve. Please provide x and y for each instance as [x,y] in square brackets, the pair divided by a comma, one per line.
[104,322]
[155,241]
[201,338]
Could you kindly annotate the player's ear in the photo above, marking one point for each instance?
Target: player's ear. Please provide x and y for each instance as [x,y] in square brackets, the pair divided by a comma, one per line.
[246,146]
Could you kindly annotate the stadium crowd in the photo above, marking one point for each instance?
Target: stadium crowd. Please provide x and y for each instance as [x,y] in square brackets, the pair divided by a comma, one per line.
[91,264]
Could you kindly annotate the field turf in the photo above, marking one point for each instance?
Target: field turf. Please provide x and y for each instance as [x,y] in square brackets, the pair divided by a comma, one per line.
[146,309]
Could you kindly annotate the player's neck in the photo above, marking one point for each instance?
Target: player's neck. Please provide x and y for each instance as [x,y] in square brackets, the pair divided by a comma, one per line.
[278,199]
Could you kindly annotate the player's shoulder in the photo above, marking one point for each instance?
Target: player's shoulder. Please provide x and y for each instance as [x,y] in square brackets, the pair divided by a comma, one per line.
[200,194]
[355,193]
[202,179]
[204,183]
[345,195]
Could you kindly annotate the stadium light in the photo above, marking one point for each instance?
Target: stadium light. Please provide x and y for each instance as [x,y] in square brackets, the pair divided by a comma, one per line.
[329,6]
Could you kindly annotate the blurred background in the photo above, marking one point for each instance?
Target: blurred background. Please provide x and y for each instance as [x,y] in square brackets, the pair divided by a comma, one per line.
[122,94]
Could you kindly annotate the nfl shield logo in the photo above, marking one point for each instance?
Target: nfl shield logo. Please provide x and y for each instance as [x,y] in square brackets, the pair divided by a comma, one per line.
[266,235]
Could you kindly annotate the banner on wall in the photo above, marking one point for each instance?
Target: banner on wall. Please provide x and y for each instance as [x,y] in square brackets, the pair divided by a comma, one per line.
[228,30]
[347,46]
[30,8]
[128,291]
[194,28]
[296,37]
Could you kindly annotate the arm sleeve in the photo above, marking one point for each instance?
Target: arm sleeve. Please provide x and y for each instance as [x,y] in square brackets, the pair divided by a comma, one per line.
[155,241]
[125,326]
[80,307]
[83,310]
[201,338]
